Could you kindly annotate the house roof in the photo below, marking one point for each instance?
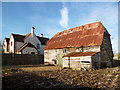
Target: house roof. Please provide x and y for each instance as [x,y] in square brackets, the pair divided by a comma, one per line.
[27,35]
[28,44]
[18,37]
[21,38]
[7,39]
[76,54]
[43,40]
[85,35]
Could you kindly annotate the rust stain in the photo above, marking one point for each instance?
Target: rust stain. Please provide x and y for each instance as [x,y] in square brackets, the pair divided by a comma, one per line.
[85,35]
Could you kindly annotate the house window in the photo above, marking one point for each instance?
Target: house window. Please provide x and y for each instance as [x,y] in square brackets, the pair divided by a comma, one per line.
[38,46]
[11,43]
[64,50]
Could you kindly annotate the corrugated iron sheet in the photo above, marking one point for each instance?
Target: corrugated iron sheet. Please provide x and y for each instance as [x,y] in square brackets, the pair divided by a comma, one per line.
[86,35]
[76,54]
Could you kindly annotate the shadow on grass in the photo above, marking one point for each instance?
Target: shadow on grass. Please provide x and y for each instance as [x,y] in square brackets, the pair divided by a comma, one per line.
[25,66]
[119,78]
[24,80]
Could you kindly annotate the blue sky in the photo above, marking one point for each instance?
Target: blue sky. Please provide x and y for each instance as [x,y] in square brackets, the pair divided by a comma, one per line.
[52,17]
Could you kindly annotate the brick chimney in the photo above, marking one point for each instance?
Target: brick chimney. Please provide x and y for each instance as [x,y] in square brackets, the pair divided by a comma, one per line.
[41,35]
[32,30]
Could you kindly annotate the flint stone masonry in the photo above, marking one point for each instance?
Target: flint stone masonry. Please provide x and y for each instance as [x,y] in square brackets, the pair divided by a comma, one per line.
[106,50]
[52,54]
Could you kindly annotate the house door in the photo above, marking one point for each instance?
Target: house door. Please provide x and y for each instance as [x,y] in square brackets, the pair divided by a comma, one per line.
[60,60]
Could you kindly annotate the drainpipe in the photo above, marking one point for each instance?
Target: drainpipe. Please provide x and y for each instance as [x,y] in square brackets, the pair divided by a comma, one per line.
[69,62]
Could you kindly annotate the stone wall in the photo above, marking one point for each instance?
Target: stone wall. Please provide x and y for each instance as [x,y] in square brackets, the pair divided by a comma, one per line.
[106,50]
[22,59]
[52,54]
[96,61]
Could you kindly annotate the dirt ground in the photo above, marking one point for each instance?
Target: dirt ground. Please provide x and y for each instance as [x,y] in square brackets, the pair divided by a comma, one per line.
[43,76]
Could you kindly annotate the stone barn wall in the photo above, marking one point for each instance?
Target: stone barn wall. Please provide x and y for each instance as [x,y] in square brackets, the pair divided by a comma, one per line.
[106,51]
[52,54]
[96,61]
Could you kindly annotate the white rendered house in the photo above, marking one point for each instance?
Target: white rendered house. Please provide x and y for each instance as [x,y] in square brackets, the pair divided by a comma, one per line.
[25,44]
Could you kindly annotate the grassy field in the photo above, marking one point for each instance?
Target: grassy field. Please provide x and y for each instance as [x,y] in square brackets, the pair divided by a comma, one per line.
[41,76]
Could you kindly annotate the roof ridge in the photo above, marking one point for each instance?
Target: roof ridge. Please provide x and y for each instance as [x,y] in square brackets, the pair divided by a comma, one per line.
[7,38]
[27,35]
[17,34]
[43,37]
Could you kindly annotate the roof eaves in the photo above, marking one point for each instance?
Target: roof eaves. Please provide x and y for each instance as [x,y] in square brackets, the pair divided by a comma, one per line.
[21,48]
[75,53]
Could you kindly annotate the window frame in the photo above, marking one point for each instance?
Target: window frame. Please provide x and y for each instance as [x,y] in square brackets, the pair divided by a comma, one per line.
[38,46]
[11,43]
[64,50]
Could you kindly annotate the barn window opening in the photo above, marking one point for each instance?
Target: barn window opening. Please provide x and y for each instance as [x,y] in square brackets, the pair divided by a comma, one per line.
[32,52]
[85,62]
[64,50]
[38,46]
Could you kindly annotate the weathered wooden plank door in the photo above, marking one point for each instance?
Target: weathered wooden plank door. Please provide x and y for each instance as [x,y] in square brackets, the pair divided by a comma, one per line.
[60,60]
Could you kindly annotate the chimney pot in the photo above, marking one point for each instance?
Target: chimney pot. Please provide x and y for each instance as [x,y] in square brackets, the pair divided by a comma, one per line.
[41,35]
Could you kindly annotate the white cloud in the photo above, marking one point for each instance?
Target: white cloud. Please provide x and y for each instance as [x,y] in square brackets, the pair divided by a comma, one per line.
[64,17]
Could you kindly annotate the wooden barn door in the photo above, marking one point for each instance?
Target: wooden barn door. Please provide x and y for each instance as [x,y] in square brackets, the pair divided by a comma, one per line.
[60,60]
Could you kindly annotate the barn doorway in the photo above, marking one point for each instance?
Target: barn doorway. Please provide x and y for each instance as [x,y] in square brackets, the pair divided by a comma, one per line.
[60,60]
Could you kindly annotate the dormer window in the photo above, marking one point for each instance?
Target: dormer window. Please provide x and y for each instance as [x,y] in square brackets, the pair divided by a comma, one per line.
[38,46]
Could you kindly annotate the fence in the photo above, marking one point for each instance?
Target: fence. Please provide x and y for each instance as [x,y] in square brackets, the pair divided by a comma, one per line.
[22,59]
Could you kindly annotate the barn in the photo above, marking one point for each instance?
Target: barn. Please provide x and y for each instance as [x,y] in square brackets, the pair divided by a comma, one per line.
[83,47]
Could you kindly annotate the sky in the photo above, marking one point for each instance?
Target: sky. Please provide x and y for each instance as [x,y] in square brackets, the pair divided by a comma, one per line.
[50,18]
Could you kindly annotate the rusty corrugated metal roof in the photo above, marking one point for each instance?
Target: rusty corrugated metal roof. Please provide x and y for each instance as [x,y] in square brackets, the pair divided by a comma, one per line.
[76,54]
[86,35]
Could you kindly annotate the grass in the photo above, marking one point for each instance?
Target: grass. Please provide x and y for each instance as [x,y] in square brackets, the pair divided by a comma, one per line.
[37,76]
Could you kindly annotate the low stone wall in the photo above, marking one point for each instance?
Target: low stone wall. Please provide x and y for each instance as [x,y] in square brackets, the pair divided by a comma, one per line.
[22,59]
[116,63]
